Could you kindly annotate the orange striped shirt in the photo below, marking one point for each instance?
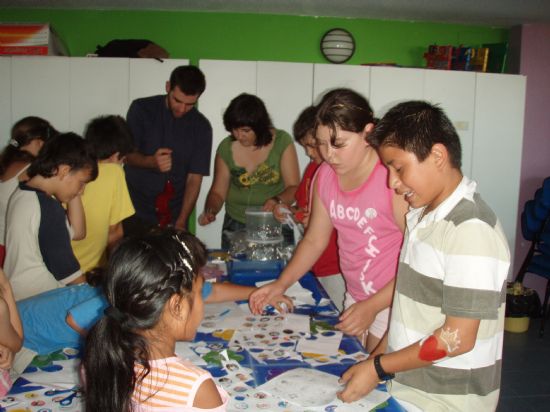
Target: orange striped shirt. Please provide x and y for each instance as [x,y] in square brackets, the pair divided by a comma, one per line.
[171,383]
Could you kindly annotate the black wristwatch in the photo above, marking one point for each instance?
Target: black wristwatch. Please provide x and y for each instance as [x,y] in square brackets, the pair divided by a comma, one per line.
[382,374]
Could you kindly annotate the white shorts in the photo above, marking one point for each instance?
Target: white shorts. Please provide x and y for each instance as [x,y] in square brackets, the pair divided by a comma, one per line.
[380,323]
[335,286]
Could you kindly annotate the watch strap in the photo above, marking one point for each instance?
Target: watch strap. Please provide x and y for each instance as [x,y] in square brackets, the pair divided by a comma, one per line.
[382,374]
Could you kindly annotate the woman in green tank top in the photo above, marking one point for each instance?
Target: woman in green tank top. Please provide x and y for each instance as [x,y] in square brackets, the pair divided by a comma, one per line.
[256,165]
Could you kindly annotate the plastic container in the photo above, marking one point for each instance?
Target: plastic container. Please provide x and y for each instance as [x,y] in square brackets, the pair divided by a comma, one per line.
[516,325]
[262,227]
[248,272]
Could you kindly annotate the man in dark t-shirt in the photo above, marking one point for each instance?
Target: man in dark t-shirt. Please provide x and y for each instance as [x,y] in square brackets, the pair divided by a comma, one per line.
[173,143]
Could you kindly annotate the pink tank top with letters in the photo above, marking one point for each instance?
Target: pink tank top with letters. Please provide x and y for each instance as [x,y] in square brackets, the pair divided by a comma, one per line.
[369,240]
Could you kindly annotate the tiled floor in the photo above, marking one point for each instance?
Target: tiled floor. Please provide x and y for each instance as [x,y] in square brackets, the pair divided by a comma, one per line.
[526,371]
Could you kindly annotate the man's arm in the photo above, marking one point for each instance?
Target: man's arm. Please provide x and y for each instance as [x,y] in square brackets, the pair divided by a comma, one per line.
[190,196]
[161,160]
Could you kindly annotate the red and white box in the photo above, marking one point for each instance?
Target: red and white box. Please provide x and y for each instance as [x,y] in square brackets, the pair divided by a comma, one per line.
[30,39]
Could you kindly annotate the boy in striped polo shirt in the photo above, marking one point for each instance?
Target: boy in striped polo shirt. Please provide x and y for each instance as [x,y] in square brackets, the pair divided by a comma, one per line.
[444,343]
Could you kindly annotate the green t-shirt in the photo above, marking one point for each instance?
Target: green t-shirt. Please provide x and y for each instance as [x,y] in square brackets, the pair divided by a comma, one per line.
[253,189]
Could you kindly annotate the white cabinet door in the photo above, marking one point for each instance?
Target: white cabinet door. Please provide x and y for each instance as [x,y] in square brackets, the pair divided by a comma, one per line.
[454,91]
[331,76]
[148,77]
[391,85]
[225,79]
[40,88]
[286,90]
[98,86]
[498,136]
[5,100]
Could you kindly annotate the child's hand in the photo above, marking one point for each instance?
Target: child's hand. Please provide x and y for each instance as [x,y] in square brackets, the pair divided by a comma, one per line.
[282,303]
[6,357]
[280,212]
[356,319]
[360,380]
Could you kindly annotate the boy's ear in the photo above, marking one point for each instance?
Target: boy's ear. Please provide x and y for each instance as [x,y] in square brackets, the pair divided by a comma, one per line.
[440,155]
[114,158]
[167,86]
[62,171]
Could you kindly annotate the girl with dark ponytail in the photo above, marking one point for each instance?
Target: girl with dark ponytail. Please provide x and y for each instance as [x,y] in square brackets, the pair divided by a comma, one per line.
[27,137]
[154,292]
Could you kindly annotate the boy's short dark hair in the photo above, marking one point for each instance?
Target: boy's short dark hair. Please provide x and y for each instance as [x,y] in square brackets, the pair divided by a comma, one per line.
[189,79]
[107,135]
[415,126]
[247,110]
[65,149]
[305,123]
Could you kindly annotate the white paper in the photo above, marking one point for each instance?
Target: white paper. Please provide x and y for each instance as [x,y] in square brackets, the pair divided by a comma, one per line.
[304,387]
[324,343]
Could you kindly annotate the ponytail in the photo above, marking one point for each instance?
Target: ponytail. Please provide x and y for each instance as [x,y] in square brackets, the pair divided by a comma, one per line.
[111,352]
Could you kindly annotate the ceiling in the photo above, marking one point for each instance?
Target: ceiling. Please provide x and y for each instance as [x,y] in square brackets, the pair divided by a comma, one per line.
[501,13]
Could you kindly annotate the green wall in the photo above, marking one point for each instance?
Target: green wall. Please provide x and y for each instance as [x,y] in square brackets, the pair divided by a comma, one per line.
[253,36]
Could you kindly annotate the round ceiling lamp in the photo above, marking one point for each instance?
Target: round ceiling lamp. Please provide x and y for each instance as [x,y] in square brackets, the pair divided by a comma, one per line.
[337,45]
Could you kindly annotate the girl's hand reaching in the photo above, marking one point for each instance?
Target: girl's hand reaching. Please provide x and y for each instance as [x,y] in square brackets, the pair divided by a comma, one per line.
[356,319]
[262,297]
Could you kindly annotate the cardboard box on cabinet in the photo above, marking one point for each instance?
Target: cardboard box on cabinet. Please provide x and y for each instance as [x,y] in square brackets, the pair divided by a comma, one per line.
[26,39]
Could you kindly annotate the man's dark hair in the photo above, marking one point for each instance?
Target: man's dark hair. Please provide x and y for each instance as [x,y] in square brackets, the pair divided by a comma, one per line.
[415,126]
[189,79]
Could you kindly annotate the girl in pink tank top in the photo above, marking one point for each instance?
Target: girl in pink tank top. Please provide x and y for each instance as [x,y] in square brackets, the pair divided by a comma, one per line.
[352,196]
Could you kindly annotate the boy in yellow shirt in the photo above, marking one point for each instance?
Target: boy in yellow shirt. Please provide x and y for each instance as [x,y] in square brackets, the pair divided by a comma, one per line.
[106,200]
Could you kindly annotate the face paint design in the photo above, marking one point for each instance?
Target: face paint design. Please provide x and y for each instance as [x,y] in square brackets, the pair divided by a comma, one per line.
[429,351]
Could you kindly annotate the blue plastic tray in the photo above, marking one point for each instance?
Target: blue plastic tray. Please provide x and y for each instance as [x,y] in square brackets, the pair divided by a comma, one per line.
[248,272]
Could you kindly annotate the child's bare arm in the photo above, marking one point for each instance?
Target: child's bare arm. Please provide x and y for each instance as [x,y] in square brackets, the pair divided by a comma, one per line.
[6,294]
[116,233]
[77,218]
[400,209]
[228,292]
[456,337]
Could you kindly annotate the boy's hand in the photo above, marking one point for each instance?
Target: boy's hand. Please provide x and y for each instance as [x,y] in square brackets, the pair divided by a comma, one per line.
[356,319]
[360,380]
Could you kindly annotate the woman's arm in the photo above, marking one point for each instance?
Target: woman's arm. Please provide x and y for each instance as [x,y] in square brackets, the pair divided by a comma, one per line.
[218,192]
[77,218]
[290,172]
[306,254]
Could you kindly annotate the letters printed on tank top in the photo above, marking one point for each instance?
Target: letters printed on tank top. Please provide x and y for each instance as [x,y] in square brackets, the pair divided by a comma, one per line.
[361,219]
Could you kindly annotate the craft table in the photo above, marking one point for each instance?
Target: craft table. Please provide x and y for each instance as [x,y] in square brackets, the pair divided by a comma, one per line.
[48,383]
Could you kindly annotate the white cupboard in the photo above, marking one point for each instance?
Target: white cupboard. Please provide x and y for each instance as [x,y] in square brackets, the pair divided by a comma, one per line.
[486,109]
